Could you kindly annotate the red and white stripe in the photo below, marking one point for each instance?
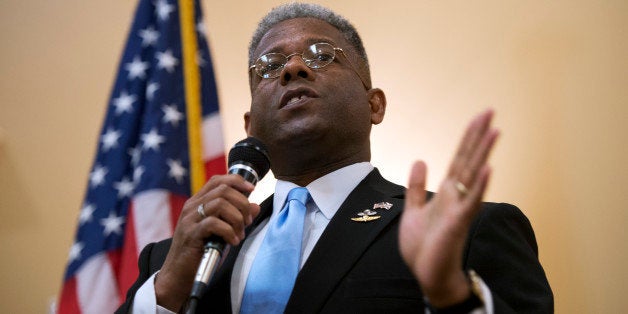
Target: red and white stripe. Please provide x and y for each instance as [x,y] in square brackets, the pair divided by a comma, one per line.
[101,284]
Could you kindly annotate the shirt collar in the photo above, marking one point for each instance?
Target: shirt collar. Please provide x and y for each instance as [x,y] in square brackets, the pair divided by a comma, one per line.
[328,191]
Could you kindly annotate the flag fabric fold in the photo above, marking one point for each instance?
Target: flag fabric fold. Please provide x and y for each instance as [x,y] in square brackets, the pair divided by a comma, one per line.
[161,139]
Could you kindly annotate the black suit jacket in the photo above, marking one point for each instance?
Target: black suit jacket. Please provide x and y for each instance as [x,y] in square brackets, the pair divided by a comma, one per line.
[356,267]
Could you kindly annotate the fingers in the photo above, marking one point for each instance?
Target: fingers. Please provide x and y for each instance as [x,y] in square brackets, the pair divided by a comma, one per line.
[236,226]
[480,156]
[473,199]
[473,150]
[415,195]
[225,211]
[225,200]
[215,226]
[232,180]
[219,208]
[468,147]
[469,172]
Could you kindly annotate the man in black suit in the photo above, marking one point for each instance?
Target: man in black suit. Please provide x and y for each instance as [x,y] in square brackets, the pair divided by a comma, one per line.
[368,245]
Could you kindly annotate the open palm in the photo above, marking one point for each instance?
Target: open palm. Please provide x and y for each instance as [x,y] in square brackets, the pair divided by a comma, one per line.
[432,233]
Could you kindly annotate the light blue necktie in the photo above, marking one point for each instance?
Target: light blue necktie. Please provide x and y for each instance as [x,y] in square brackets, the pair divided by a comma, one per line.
[276,264]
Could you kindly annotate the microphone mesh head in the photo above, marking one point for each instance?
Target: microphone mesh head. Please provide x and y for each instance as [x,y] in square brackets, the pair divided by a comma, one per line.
[252,151]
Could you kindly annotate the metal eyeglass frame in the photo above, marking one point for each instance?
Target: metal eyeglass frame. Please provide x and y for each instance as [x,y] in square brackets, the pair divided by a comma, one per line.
[308,62]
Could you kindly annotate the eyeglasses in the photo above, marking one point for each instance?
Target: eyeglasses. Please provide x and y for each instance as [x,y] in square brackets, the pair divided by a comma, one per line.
[316,56]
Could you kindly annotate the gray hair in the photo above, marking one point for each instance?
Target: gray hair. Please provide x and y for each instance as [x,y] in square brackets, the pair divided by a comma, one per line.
[296,10]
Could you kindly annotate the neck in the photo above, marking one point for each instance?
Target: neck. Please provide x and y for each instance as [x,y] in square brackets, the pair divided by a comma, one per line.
[302,171]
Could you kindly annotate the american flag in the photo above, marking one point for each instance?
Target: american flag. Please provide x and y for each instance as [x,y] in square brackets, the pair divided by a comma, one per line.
[161,138]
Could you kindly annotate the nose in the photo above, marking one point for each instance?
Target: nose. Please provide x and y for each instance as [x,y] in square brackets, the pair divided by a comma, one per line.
[295,68]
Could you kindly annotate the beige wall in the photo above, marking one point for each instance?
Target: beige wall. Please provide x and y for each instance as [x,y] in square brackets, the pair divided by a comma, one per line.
[555,71]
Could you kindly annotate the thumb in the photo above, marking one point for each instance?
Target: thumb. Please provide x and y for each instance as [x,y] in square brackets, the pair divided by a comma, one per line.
[415,195]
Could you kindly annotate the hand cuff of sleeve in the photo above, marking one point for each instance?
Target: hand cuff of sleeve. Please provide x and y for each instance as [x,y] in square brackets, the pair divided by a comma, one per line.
[475,301]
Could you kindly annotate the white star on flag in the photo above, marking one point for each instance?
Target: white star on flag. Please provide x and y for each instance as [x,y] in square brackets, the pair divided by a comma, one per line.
[176,170]
[75,251]
[124,103]
[136,153]
[163,9]
[151,88]
[110,139]
[152,140]
[125,187]
[86,213]
[166,61]
[171,114]
[137,174]
[149,36]
[199,59]
[97,176]
[136,68]
[112,223]
[200,27]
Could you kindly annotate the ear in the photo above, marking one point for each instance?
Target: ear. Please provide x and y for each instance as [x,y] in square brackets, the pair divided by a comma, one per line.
[247,123]
[377,101]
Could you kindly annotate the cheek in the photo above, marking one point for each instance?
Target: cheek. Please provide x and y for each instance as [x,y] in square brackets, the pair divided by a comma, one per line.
[351,101]
[262,93]
[261,119]
[346,81]
[257,119]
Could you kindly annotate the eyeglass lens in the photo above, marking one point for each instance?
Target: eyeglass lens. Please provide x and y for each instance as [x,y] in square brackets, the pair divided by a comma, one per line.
[315,56]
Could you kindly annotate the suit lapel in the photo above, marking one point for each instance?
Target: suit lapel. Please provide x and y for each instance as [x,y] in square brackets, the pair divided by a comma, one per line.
[343,242]
[221,282]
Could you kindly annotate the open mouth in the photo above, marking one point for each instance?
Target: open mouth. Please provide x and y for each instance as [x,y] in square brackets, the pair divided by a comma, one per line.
[297,96]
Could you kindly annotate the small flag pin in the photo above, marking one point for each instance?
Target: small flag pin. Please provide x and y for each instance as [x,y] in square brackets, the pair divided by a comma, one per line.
[384,205]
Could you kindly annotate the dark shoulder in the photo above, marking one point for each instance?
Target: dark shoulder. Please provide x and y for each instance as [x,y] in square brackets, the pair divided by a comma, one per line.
[501,213]
[375,180]
[156,254]
[150,261]
[506,220]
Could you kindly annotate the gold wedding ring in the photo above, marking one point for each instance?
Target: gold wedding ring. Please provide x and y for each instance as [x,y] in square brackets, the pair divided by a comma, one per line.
[462,189]
[201,211]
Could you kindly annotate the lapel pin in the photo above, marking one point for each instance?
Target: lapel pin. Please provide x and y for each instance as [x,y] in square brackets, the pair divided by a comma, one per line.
[384,205]
[366,215]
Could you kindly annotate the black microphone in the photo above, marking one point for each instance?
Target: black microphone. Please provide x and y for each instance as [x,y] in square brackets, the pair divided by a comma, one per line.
[249,159]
